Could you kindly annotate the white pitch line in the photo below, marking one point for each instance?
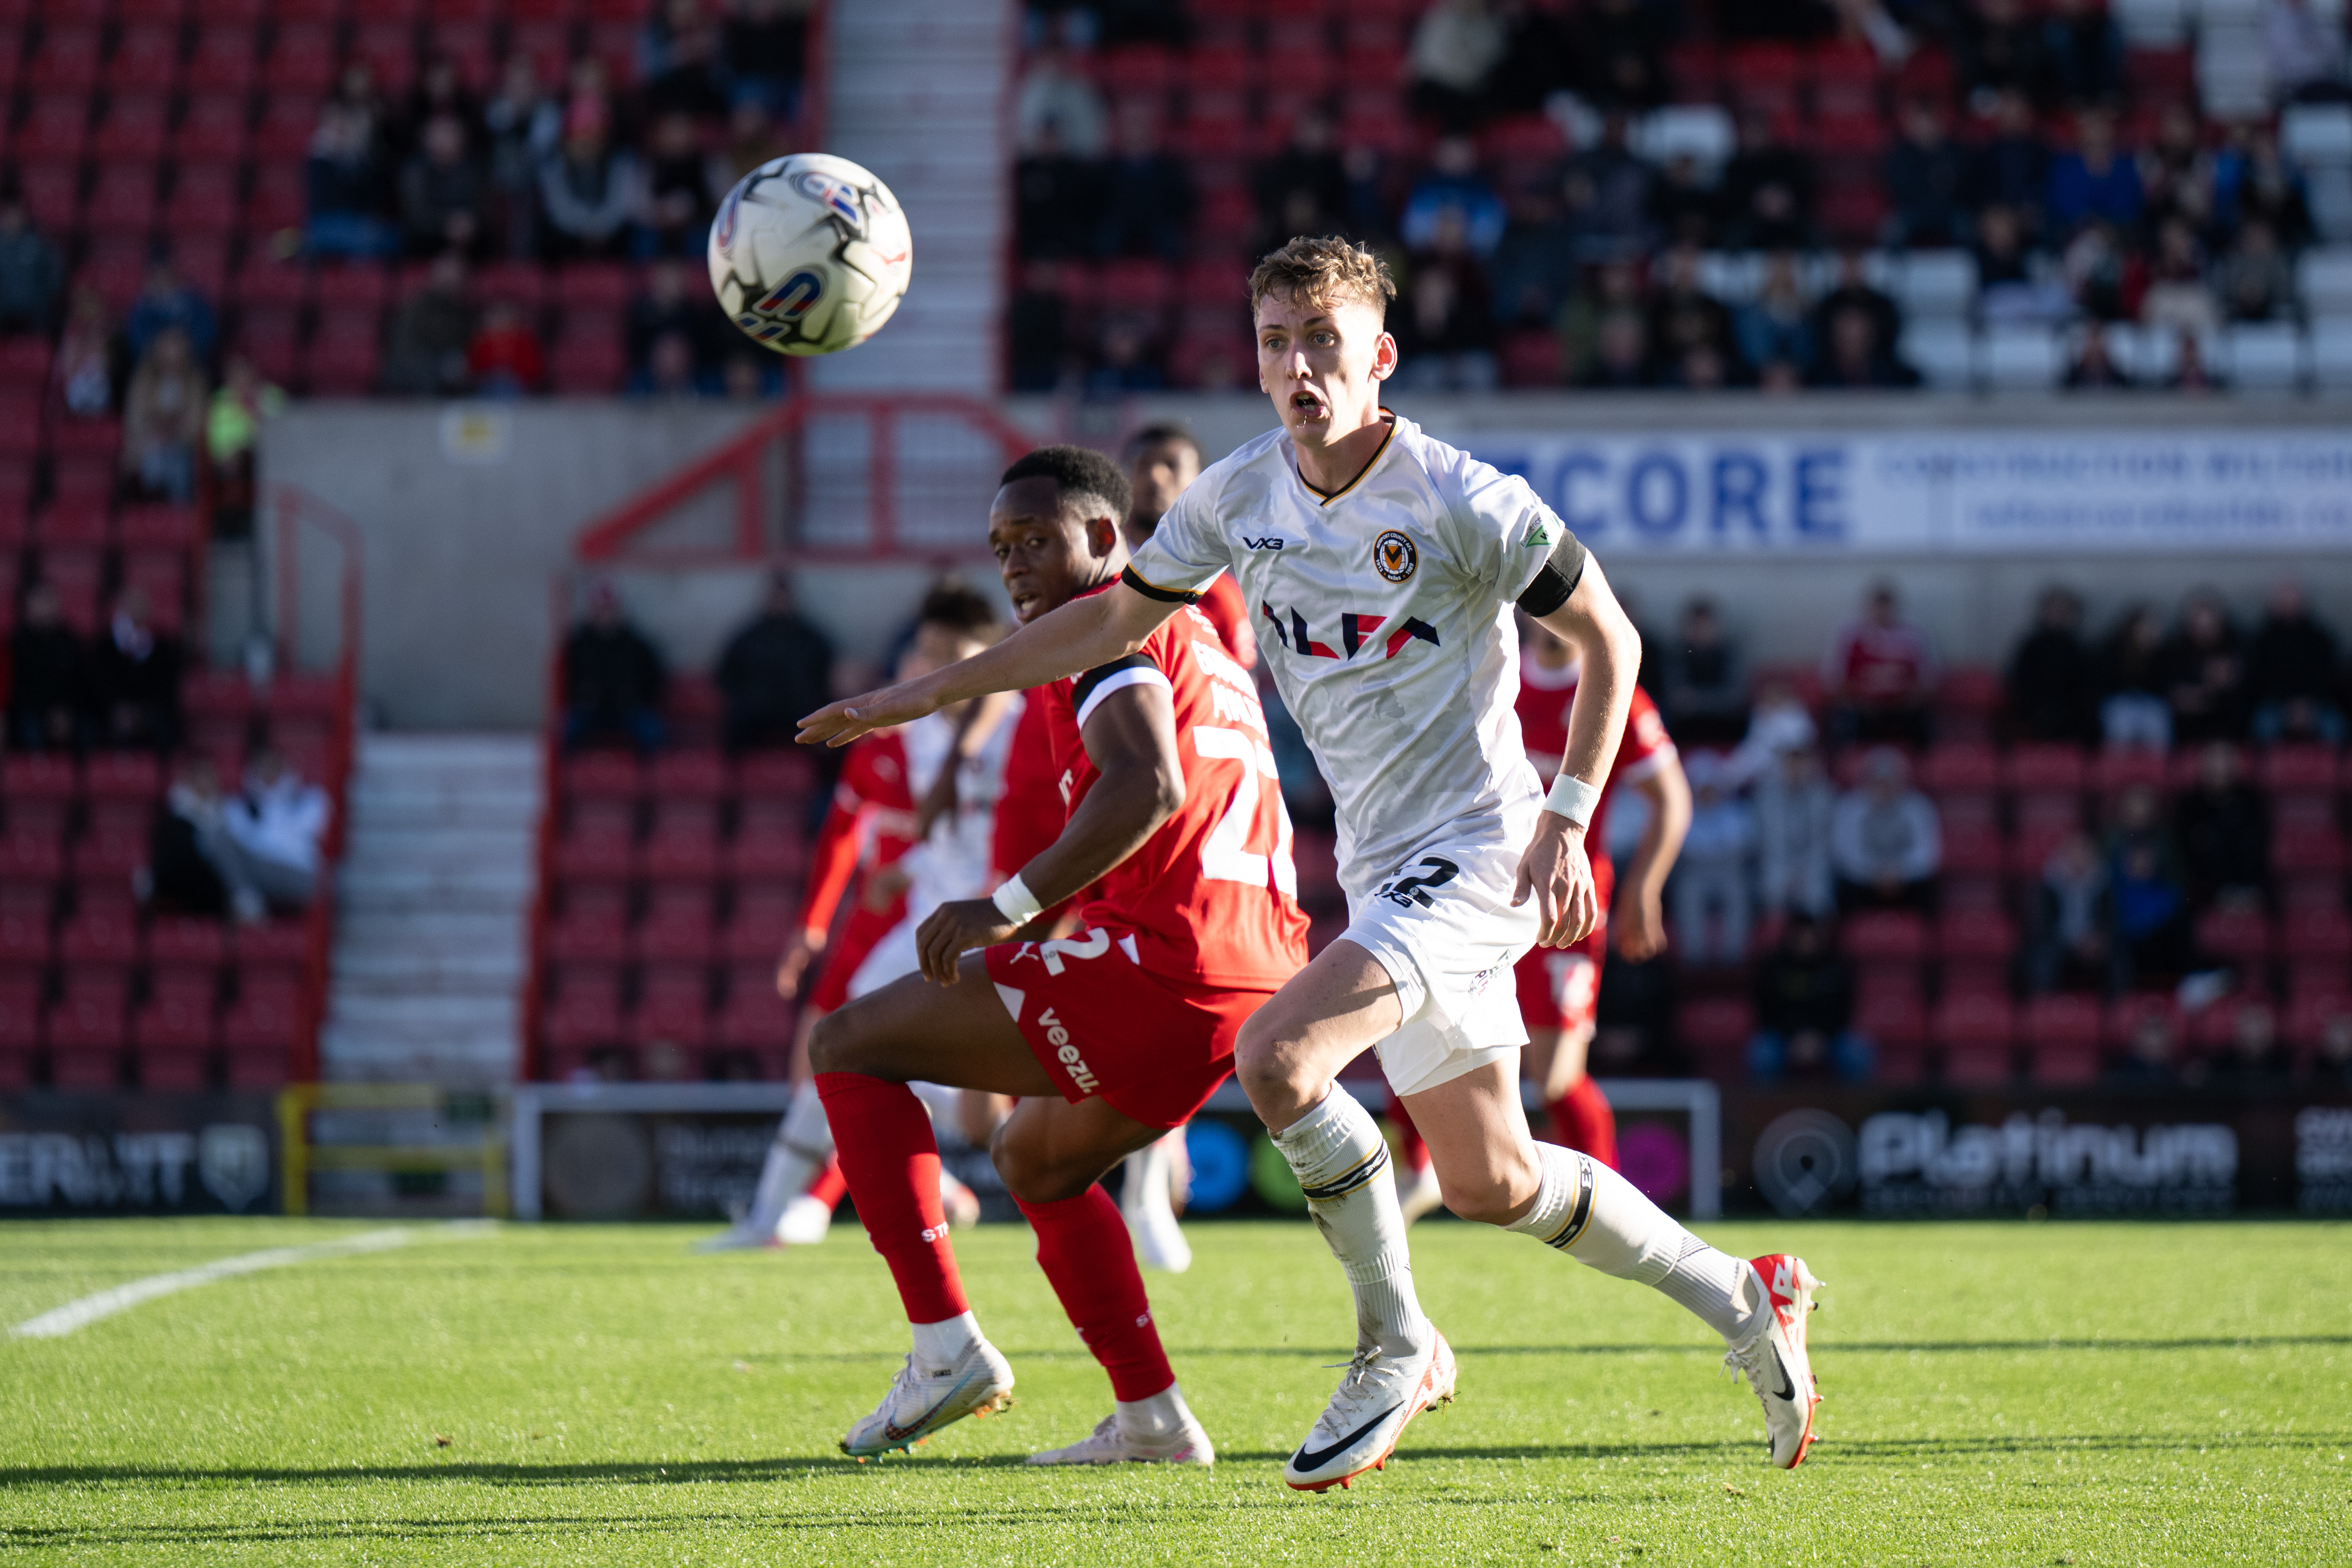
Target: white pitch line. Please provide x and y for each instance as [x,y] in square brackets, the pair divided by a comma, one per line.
[59,1322]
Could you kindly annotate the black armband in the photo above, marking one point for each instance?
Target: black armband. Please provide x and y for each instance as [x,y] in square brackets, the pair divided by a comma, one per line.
[1556,579]
[1084,686]
[1153,591]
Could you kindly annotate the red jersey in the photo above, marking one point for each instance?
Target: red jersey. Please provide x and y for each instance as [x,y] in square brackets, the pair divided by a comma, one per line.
[1030,813]
[870,825]
[1227,611]
[1882,666]
[1211,897]
[1545,698]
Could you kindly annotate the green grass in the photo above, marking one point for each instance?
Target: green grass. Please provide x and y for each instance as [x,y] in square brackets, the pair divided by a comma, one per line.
[1997,1394]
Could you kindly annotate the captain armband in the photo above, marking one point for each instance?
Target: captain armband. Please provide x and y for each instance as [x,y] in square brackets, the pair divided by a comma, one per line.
[1153,591]
[1556,579]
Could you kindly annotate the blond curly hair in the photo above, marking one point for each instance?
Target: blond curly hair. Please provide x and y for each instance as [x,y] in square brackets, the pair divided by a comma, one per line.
[1326,271]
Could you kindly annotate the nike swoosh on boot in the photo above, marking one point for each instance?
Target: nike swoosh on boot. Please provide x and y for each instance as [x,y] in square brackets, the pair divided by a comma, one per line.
[1305,1461]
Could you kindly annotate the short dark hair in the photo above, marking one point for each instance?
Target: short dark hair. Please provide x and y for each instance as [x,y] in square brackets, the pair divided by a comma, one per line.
[1081,473]
[960,609]
[1167,432]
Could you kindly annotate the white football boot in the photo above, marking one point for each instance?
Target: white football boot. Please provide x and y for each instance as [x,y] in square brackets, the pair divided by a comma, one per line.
[805,1222]
[1145,1202]
[1775,1360]
[1421,1198]
[1189,1445]
[922,1399]
[1360,1428]
[740,1236]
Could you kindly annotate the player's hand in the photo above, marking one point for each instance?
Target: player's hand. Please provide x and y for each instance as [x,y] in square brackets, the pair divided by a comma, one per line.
[1556,874]
[1637,926]
[954,929]
[792,968]
[882,889]
[838,724]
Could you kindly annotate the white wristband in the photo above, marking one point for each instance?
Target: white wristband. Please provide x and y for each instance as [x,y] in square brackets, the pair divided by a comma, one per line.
[1572,798]
[1015,902]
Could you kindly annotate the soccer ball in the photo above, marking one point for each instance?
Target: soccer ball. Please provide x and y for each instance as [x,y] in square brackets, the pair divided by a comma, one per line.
[810,254]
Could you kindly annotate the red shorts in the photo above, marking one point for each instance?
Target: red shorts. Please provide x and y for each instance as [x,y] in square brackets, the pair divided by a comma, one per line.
[1153,1050]
[1560,986]
[859,933]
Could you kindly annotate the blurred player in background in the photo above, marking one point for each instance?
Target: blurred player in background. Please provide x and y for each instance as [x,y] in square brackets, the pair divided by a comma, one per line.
[905,866]
[1559,988]
[1115,1033]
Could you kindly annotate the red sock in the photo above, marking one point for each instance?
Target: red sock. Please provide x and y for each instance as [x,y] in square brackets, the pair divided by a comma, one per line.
[1083,1246]
[830,1184]
[1409,1147]
[1582,1119]
[892,1164]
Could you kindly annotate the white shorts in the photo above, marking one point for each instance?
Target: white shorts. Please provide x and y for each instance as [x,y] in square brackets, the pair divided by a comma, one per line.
[1444,928]
[896,954]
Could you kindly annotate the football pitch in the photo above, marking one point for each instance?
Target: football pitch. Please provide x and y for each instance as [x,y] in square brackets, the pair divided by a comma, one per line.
[2017,1394]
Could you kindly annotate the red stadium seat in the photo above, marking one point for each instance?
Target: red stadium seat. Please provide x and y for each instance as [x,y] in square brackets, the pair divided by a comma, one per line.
[591,935]
[289,120]
[2241,935]
[2044,769]
[673,1008]
[276,200]
[174,1025]
[2061,1035]
[27,939]
[691,774]
[224,59]
[1715,1031]
[1957,768]
[135,129]
[212,128]
[754,1018]
[171,1070]
[1972,841]
[1884,937]
[598,848]
[606,775]
[303,60]
[146,59]
[684,843]
[2311,848]
[122,199]
[678,926]
[67,56]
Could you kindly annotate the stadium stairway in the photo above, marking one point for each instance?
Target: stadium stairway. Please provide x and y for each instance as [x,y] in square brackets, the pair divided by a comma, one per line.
[431,936]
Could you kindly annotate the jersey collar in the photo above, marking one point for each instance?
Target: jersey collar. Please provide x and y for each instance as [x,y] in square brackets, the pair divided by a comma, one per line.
[1325,499]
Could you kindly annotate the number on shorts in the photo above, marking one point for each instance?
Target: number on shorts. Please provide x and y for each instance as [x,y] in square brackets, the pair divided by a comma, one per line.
[1225,856]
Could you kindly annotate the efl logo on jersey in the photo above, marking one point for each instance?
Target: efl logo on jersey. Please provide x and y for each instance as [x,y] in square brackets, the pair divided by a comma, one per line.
[1394,557]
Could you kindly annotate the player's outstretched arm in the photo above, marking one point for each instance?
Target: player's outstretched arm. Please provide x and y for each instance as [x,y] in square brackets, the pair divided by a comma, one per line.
[1079,636]
[1131,737]
[1554,870]
[1637,926]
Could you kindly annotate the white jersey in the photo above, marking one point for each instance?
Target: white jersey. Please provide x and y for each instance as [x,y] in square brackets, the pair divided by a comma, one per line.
[1385,613]
[954,861]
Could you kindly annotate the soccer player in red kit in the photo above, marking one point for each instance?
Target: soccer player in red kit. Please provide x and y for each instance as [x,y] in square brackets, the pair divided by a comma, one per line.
[1116,1032]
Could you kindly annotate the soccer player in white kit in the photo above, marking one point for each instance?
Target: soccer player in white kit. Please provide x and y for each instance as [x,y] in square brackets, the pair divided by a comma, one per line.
[1383,566]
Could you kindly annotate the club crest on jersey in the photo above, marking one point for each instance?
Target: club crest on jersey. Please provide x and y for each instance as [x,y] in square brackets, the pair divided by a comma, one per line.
[1394,557]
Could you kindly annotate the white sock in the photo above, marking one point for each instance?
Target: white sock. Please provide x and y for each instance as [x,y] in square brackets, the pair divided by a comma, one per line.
[1597,1217]
[803,1143]
[1343,1161]
[1161,1416]
[942,1344]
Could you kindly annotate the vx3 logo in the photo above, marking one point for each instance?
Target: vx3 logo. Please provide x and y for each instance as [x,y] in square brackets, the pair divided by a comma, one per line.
[1355,631]
[1262,543]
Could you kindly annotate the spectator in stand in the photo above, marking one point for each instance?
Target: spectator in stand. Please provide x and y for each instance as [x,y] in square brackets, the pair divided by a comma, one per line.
[183,844]
[1146,205]
[1455,47]
[1621,354]
[669,372]
[424,352]
[1685,319]
[163,420]
[1303,189]
[32,274]
[2149,939]
[776,668]
[1539,58]
[1855,291]
[2094,367]
[1057,202]
[444,193]
[48,691]
[243,404]
[1775,329]
[2304,52]
[2225,832]
[1854,359]
[681,193]
[2132,707]
[1684,205]
[1926,182]
[2097,180]
[1879,674]
[2067,947]
[1794,809]
[1446,326]
[1804,1010]
[274,830]
[2254,1055]
[1453,191]
[1767,190]
[440,90]
[2332,1062]
[1621,45]
[84,366]
[613,678]
[1702,678]
[1779,724]
[744,379]
[166,303]
[587,99]
[2001,52]
[1605,190]
[766,50]
[2254,283]
[2084,53]
[695,81]
[2252,180]
[505,359]
[348,172]
[2203,668]
[1885,839]
[2010,287]
[1711,873]
[674,301]
[134,680]
[1535,263]
[1129,357]
[2011,169]
[2053,682]
[753,138]
[521,125]
[590,190]
[1613,290]
[1037,330]
[2148,1050]
[2177,173]
[2178,296]
[2293,675]
[2190,373]
[1057,97]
